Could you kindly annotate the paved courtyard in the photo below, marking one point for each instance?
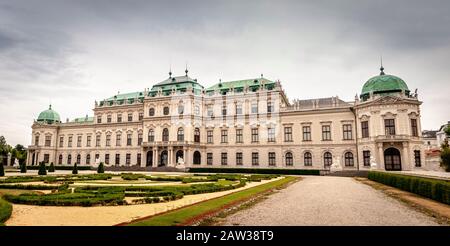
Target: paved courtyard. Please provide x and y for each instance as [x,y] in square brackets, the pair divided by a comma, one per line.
[325,200]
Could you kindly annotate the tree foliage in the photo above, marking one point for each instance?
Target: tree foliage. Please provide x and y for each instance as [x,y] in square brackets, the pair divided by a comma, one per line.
[445,152]
[42,169]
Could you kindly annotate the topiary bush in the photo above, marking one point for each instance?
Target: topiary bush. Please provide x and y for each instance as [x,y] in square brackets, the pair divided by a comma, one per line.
[51,168]
[2,170]
[75,169]
[101,168]
[42,169]
[435,189]
[23,168]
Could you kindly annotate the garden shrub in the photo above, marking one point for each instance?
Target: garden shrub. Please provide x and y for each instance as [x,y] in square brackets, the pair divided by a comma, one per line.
[435,189]
[51,168]
[101,168]
[2,170]
[75,169]
[5,210]
[42,169]
[23,168]
[256,170]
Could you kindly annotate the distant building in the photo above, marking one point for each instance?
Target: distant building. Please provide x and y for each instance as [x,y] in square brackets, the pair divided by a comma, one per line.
[441,135]
[430,140]
[246,123]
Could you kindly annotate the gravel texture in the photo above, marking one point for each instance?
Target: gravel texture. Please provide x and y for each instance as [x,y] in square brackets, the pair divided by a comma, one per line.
[325,200]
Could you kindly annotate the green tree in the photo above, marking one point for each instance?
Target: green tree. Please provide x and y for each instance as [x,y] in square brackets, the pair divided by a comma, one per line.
[75,169]
[42,169]
[445,151]
[51,168]
[101,168]
[20,153]
[2,170]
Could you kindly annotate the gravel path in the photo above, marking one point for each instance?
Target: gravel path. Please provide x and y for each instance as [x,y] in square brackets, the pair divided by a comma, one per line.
[325,200]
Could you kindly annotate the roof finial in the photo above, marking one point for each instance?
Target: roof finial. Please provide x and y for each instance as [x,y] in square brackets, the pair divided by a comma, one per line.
[381,68]
[50,106]
[170,70]
[262,76]
[186,71]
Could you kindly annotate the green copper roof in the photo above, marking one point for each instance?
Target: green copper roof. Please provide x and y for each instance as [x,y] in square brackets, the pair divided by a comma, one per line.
[179,83]
[121,98]
[384,83]
[83,120]
[49,116]
[240,84]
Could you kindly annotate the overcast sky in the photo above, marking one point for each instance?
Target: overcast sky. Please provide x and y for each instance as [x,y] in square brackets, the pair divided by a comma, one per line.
[71,53]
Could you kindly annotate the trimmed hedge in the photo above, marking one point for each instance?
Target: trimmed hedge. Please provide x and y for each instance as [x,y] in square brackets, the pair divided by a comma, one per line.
[435,189]
[29,187]
[68,168]
[67,199]
[256,170]
[5,210]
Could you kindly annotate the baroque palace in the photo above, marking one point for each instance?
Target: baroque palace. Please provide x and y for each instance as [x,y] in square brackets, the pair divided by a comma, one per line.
[246,123]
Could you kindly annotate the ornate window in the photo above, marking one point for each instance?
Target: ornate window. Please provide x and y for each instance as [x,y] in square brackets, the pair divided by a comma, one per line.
[128,159]
[139,139]
[271,134]
[139,158]
[255,137]
[48,141]
[347,131]
[224,159]
[88,159]
[166,110]
[107,159]
[255,158]
[197,135]
[99,119]
[69,143]
[130,116]
[348,159]
[69,159]
[61,142]
[151,112]
[108,118]
[417,159]
[119,118]
[307,158]
[129,139]
[327,159]
[272,159]
[36,140]
[60,159]
[97,140]
[197,110]
[151,135]
[209,136]
[88,141]
[117,161]
[326,133]
[239,158]
[288,134]
[270,108]
[239,136]
[165,135]
[197,158]
[365,129]
[180,108]
[389,125]
[78,159]
[254,107]
[414,131]
[209,158]
[366,158]
[180,134]
[118,139]
[307,133]
[224,136]
[289,159]
[238,109]
[141,116]
[78,141]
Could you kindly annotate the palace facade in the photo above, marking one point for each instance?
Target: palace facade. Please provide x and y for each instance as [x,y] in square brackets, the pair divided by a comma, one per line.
[246,123]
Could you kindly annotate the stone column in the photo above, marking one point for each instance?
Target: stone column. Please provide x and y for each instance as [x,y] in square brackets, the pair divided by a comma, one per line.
[155,157]
[8,163]
[380,161]
[143,157]
[169,159]
[187,158]
[405,157]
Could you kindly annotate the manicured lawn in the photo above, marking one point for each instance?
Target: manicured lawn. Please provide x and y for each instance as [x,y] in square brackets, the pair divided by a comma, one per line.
[185,214]
[5,211]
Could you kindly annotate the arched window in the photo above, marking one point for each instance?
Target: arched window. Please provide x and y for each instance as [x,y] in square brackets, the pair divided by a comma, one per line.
[151,112]
[88,159]
[289,159]
[78,159]
[151,135]
[349,159]
[60,159]
[180,108]
[180,134]
[197,158]
[166,110]
[327,159]
[197,135]
[69,159]
[165,135]
[307,159]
